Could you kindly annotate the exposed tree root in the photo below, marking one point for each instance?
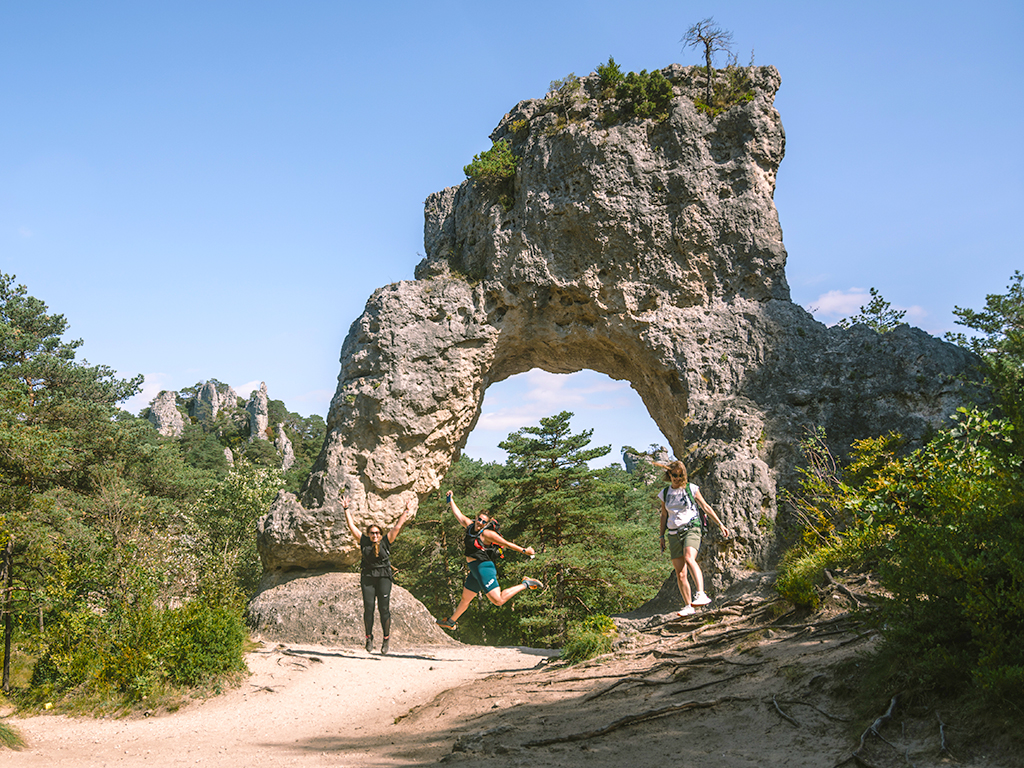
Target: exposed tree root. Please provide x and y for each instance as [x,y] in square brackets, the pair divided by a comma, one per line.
[779,710]
[650,714]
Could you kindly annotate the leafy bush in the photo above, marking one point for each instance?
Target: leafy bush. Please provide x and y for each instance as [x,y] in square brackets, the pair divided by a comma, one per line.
[204,640]
[955,559]
[496,164]
[588,638]
[945,525]
[646,94]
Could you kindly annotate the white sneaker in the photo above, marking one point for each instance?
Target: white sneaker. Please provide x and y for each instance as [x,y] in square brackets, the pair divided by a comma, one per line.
[701,599]
[687,611]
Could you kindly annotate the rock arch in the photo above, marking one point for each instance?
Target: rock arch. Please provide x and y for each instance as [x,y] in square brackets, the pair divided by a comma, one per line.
[646,250]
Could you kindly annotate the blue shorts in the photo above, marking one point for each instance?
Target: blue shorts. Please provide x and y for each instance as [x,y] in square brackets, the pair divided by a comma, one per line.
[482,576]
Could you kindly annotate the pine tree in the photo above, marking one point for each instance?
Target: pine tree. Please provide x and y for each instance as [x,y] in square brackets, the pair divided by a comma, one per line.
[578,521]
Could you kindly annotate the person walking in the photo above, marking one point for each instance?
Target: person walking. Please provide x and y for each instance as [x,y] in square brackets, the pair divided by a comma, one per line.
[375,573]
[681,519]
[479,543]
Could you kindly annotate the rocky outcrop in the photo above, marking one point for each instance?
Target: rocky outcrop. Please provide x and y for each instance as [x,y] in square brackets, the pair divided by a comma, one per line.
[284,447]
[165,416]
[634,459]
[215,407]
[205,406]
[259,413]
[648,251]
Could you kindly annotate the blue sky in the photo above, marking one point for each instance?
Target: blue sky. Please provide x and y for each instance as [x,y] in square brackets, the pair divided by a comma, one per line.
[213,189]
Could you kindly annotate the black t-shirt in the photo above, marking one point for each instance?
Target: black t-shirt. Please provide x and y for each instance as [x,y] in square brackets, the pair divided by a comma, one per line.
[375,565]
[474,546]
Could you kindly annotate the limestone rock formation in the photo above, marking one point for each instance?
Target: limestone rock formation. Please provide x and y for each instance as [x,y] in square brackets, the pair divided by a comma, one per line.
[205,406]
[165,416]
[259,413]
[284,447]
[649,251]
[632,460]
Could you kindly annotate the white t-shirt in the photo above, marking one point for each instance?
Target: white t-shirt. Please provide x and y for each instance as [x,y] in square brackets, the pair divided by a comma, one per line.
[681,510]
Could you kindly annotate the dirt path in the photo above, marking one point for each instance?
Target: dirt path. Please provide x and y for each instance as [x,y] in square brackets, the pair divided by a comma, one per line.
[743,685]
[302,706]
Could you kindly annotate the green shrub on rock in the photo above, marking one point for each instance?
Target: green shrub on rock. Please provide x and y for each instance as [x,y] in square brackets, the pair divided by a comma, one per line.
[496,164]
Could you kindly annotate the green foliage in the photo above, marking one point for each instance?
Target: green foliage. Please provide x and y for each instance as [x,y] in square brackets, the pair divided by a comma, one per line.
[943,525]
[877,314]
[10,738]
[645,95]
[204,640]
[430,563]
[565,95]
[1000,345]
[137,650]
[611,78]
[222,524]
[104,524]
[588,638]
[729,87]
[594,532]
[954,562]
[496,164]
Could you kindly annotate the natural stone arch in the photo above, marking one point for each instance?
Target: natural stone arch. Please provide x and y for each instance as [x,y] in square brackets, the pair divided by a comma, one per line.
[647,251]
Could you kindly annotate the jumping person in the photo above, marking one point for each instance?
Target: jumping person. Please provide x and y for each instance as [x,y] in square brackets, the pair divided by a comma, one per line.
[479,540]
[681,504]
[375,575]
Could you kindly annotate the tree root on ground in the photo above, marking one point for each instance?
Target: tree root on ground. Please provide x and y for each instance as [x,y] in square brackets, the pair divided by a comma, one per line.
[650,714]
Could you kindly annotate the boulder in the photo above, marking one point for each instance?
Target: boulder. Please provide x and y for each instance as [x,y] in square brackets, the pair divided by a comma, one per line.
[326,608]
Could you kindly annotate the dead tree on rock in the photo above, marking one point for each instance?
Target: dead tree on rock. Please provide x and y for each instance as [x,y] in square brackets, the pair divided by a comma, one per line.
[713,39]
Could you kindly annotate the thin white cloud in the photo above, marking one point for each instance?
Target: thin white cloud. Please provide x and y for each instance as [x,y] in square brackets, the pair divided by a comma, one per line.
[839,304]
[244,390]
[545,394]
[153,384]
[835,305]
[25,232]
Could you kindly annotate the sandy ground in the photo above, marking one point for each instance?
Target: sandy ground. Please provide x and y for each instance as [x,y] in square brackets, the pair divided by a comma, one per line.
[302,706]
[744,683]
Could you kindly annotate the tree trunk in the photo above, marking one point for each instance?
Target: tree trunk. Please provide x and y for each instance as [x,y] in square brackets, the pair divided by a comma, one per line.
[7,579]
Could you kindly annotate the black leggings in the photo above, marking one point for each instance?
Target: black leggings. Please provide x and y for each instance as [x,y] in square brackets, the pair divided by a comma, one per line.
[376,588]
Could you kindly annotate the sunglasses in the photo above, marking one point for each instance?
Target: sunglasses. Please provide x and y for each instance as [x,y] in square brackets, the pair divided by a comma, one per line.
[675,474]
[375,533]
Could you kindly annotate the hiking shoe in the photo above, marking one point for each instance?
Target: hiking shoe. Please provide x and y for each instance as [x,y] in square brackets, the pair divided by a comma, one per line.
[446,624]
[384,647]
[701,599]
[533,584]
[369,643]
[687,611]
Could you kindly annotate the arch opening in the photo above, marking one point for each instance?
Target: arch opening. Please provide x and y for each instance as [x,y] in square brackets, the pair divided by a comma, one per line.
[612,409]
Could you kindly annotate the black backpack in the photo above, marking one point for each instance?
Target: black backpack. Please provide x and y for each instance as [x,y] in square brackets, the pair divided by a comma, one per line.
[494,550]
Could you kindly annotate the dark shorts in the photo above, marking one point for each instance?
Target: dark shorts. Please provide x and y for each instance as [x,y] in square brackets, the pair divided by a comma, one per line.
[482,576]
[687,536]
